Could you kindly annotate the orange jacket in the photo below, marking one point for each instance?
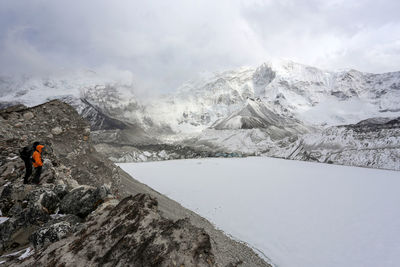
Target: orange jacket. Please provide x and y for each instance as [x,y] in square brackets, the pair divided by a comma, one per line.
[37,156]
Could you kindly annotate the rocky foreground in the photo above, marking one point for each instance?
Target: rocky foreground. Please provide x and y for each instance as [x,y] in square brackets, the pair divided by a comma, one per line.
[87,211]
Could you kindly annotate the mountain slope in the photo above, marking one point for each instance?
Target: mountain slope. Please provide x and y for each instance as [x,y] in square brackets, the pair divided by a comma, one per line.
[264,110]
[370,143]
[293,90]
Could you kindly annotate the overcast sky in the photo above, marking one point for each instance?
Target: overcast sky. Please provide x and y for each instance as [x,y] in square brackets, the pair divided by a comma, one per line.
[164,43]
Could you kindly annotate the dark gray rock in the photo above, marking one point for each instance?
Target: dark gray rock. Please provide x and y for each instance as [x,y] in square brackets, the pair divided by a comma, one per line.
[15,231]
[50,201]
[29,208]
[60,190]
[83,200]
[49,234]
[34,215]
[44,197]
[11,195]
[59,227]
[7,228]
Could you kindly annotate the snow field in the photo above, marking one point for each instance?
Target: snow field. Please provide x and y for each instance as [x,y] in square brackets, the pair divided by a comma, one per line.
[296,213]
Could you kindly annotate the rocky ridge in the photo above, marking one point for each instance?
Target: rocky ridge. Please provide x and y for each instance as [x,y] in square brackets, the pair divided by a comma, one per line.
[86,211]
[373,143]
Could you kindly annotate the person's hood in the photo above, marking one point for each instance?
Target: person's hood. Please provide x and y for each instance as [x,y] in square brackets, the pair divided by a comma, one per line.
[39,148]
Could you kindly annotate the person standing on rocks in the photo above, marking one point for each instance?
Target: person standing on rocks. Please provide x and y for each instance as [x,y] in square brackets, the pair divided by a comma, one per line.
[26,156]
[37,163]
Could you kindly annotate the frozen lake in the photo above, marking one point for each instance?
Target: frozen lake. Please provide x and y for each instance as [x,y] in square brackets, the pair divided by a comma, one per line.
[296,213]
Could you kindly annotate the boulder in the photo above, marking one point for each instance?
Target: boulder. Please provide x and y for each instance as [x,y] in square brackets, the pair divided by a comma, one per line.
[7,228]
[45,198]
[34,214]
[28,115]
[11,195]
[29,208]
[86,131]
[49,234]
[15,231]
[83,200]
[56,130]
[60,190]
[58,228]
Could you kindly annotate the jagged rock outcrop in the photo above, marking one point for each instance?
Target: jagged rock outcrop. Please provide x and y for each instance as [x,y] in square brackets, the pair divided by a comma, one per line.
[130,233]
[32,212]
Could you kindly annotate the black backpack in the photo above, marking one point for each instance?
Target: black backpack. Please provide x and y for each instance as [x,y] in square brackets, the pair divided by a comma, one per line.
[26,153]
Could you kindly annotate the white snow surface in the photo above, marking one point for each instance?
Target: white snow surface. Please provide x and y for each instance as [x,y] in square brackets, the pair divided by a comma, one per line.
[3,219]
[28,252]
[296,213]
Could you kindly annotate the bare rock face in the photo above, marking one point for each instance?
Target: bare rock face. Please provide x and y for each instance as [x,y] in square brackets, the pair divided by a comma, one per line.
[131,233]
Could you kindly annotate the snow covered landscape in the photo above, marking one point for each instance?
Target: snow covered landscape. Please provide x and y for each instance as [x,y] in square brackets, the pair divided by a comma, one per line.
[295,213]
[292,213]
[233,133]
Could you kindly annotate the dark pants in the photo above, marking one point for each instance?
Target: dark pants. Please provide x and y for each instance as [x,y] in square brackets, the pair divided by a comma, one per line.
[36,177]
[28,170]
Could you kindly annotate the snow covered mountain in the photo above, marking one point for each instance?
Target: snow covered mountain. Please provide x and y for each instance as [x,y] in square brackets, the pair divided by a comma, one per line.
[312,95]
[106,100]
[268,110]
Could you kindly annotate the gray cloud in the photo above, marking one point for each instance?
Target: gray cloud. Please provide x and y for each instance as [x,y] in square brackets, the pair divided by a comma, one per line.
[164,43]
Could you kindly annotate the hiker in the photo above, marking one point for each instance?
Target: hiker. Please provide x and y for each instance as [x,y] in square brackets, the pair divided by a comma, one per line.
[26,156]
[37,163]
